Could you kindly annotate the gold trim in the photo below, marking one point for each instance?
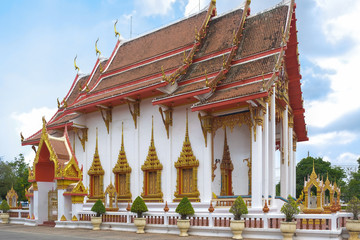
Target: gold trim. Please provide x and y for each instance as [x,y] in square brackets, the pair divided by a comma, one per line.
[168,120]
[107,116]
[83,138]
[95,171]
[135,112]
[187,160]
[111,191]
[152,164]
[9,197]
[226,167]
[122,167]
[206,125]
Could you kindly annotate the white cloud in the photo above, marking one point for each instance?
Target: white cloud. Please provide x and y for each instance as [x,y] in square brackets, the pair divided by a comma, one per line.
[341,137]
[348,158]
[338,25]
[193,6]
[30,122]
[155,7]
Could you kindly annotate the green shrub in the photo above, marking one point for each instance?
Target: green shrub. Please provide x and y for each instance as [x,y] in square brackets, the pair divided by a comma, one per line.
[98,208]
[290,209]
[139,207]
[185,208]
[4,206]
[238,208]
[353,206]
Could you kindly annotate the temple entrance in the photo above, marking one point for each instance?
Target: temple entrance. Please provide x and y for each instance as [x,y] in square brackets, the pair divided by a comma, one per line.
[187,180]
[52,205]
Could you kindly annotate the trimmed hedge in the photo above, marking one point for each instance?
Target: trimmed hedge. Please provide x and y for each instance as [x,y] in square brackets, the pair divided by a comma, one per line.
[4,206]
[238,208]
[98,208]
[139,207]
[185,208]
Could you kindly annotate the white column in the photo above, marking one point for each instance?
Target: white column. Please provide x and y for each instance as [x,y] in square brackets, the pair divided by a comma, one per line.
[76,208]
[136,190]
[291,165]
[61,204]
[294,173]
[206,191]
[256,168]
[284,162]
[167,179]
[266,153]
[36,205]
[272,149]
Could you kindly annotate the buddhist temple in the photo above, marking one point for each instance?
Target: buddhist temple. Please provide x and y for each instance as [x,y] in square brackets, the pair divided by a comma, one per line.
[200,108]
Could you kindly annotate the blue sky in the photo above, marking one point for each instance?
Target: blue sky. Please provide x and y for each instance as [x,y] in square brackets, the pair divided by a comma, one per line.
[39,40]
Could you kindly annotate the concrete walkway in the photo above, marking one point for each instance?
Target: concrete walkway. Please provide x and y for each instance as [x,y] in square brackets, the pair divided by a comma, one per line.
[17,232]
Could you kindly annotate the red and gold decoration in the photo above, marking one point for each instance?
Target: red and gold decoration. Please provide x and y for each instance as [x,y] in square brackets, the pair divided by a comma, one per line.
[187,166]
[96,173]
[226,167]
[122,172]
[152,173]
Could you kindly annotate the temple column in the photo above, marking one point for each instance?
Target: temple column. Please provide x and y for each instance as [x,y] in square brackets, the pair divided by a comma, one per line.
[266,153]
[272,149]
[35,205]
[61,204]
[256,158]
[137,184]
[294,167]
[207,171]
[285,156]
[291,162]
[168,186]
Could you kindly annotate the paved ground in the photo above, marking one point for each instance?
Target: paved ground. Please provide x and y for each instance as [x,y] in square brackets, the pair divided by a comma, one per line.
[21,232]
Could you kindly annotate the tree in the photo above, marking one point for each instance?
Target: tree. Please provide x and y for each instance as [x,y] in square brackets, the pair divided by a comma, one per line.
[353,187]
[14,174]
[21,171]
[322,169]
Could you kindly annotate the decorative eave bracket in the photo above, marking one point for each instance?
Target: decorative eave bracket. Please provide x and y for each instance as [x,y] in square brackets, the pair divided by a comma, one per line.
[135,111]
[84,136]
[206,125]
[168,120]
[106,115]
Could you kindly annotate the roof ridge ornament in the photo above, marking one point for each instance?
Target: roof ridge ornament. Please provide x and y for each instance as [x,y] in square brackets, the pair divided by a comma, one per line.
[76,67]
[117,34]
[98,53]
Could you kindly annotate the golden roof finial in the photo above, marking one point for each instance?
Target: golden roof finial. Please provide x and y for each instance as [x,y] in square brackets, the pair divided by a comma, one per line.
[96,49]
[58,103]
[44,121]
[76,67]
[187,127]
[313,165]
[116,32]
[96,146]
[22,137]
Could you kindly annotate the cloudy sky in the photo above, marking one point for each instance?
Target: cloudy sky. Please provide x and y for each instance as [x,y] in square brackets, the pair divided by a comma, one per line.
[39,40]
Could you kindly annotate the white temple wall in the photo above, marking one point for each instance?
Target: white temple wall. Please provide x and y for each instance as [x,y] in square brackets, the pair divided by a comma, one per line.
[41,200]
[239,147]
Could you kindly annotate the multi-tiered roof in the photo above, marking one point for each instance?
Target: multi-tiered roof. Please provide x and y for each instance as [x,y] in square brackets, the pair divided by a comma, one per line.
[211,62]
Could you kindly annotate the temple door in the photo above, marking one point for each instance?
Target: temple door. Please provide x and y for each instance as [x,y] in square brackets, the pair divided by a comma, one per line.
[96,185]
[122,184]
[152,183]
[187,180]
[52,205]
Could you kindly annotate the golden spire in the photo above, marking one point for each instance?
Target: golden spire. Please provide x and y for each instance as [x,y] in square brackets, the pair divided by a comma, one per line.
[313,174]
[122,165]
[226,165]
[116,32]
[96,168]
[187,128]
[152,162]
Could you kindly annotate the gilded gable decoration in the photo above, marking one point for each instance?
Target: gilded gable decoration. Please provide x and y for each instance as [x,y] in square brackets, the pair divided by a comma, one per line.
[226,167]
[206,125]
[187,166]
[84,135]
[122,172]
[152,173]
[77,191]
[96,173]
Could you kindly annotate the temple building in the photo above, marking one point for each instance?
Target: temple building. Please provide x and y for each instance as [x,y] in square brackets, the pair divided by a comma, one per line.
[206,108]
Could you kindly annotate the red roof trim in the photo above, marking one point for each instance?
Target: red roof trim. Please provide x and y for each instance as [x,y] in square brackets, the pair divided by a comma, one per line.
[182,96]
[259,55]
[229,101]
